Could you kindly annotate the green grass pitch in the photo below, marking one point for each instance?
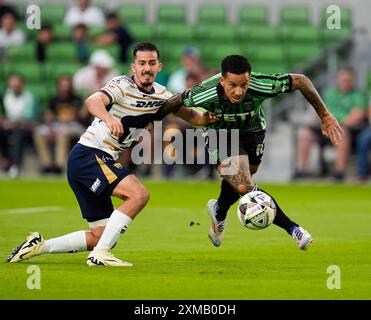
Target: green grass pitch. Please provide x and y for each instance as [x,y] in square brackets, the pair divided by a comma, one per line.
[174,260]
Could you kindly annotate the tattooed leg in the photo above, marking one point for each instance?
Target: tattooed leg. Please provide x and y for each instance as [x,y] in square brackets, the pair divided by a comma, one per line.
[236,171]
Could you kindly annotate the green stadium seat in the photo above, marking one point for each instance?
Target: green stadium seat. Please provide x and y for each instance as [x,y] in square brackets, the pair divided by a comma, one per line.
[55,70]
[62,51]
[261,67]
[329,36]
[61,32]
[266,53]
[96,31]
[53,13]
[20,8]
[31,72]
[301,34]
[171,52]
[41,93]
[212,54]
[294,16]
[212,14]
[345,17]
[123,68]
[253,15]
[300,53]
[22,53]
[141,32]
[258,34]
[176,33]
[171,14]
[171,66]
[132,13]
[218,33]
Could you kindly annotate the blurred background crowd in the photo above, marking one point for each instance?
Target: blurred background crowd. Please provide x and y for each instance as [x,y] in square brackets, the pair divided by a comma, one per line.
[46,74]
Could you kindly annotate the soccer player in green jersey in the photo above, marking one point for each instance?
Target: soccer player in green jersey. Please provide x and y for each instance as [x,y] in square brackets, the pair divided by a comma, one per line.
[235,96]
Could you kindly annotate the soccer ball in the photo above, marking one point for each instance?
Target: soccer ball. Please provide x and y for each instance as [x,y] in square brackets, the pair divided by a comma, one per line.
[256,210]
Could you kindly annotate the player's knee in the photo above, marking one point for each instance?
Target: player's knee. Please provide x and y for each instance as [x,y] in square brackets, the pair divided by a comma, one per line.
[245,188]
[141,196]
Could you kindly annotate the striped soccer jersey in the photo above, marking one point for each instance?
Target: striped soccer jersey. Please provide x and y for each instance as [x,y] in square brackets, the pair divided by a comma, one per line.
[248,116]
[133,106]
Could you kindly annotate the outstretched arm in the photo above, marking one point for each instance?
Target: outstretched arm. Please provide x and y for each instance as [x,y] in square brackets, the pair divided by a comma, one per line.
[330,126]
[196,117]
[173,104]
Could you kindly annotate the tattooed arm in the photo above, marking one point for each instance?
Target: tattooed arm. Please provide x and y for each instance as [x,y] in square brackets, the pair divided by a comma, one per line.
[330,126]
[173,104]
[194,117]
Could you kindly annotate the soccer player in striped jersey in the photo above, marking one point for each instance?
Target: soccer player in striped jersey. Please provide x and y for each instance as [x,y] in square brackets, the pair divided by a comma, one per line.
[126,103]
[235,96]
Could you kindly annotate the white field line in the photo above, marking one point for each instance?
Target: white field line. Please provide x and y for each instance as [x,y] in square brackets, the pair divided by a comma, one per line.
[31,210]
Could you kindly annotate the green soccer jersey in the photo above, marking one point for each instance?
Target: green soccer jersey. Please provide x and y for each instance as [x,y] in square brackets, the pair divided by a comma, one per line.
[341,105]
[248,116]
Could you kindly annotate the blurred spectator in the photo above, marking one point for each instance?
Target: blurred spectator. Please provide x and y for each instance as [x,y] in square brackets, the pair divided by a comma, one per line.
[20,111]
[44,37]
[348,105]
[81,39]
[363,148]
[62,122]
[4,139]
[9,34]
[90,78]
[6,8]
[191,63]
[84,13]
[116,33]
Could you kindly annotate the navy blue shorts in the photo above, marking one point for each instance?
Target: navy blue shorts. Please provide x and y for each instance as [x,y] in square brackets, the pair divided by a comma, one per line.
[93,175]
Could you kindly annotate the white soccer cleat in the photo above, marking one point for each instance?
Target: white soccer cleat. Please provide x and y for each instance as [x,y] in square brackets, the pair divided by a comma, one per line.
[102,257]
[217,227]
[33,246]
[302,237]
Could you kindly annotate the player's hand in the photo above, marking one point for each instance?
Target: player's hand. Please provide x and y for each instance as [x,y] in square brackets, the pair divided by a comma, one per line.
[114,125]
[331,129]
[208,117]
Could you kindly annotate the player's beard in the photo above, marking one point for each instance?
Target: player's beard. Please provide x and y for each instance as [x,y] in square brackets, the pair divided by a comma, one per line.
[147,83]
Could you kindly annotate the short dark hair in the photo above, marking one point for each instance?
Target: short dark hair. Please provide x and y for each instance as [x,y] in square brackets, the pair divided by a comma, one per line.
[146,46]
[235,64]
[81,26]
[112,15]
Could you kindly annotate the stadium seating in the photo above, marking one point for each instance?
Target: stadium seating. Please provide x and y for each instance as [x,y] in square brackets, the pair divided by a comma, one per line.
[175,33]
[141,32]
[32,72]
[171,14]
[253,15]
[252,35]
[61,32]
[54,70]
[212,14]
[294,16]
[270,48]
[217,33]
[132,13]
[62,51]
[52,12]
[21,53]
[42,94]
